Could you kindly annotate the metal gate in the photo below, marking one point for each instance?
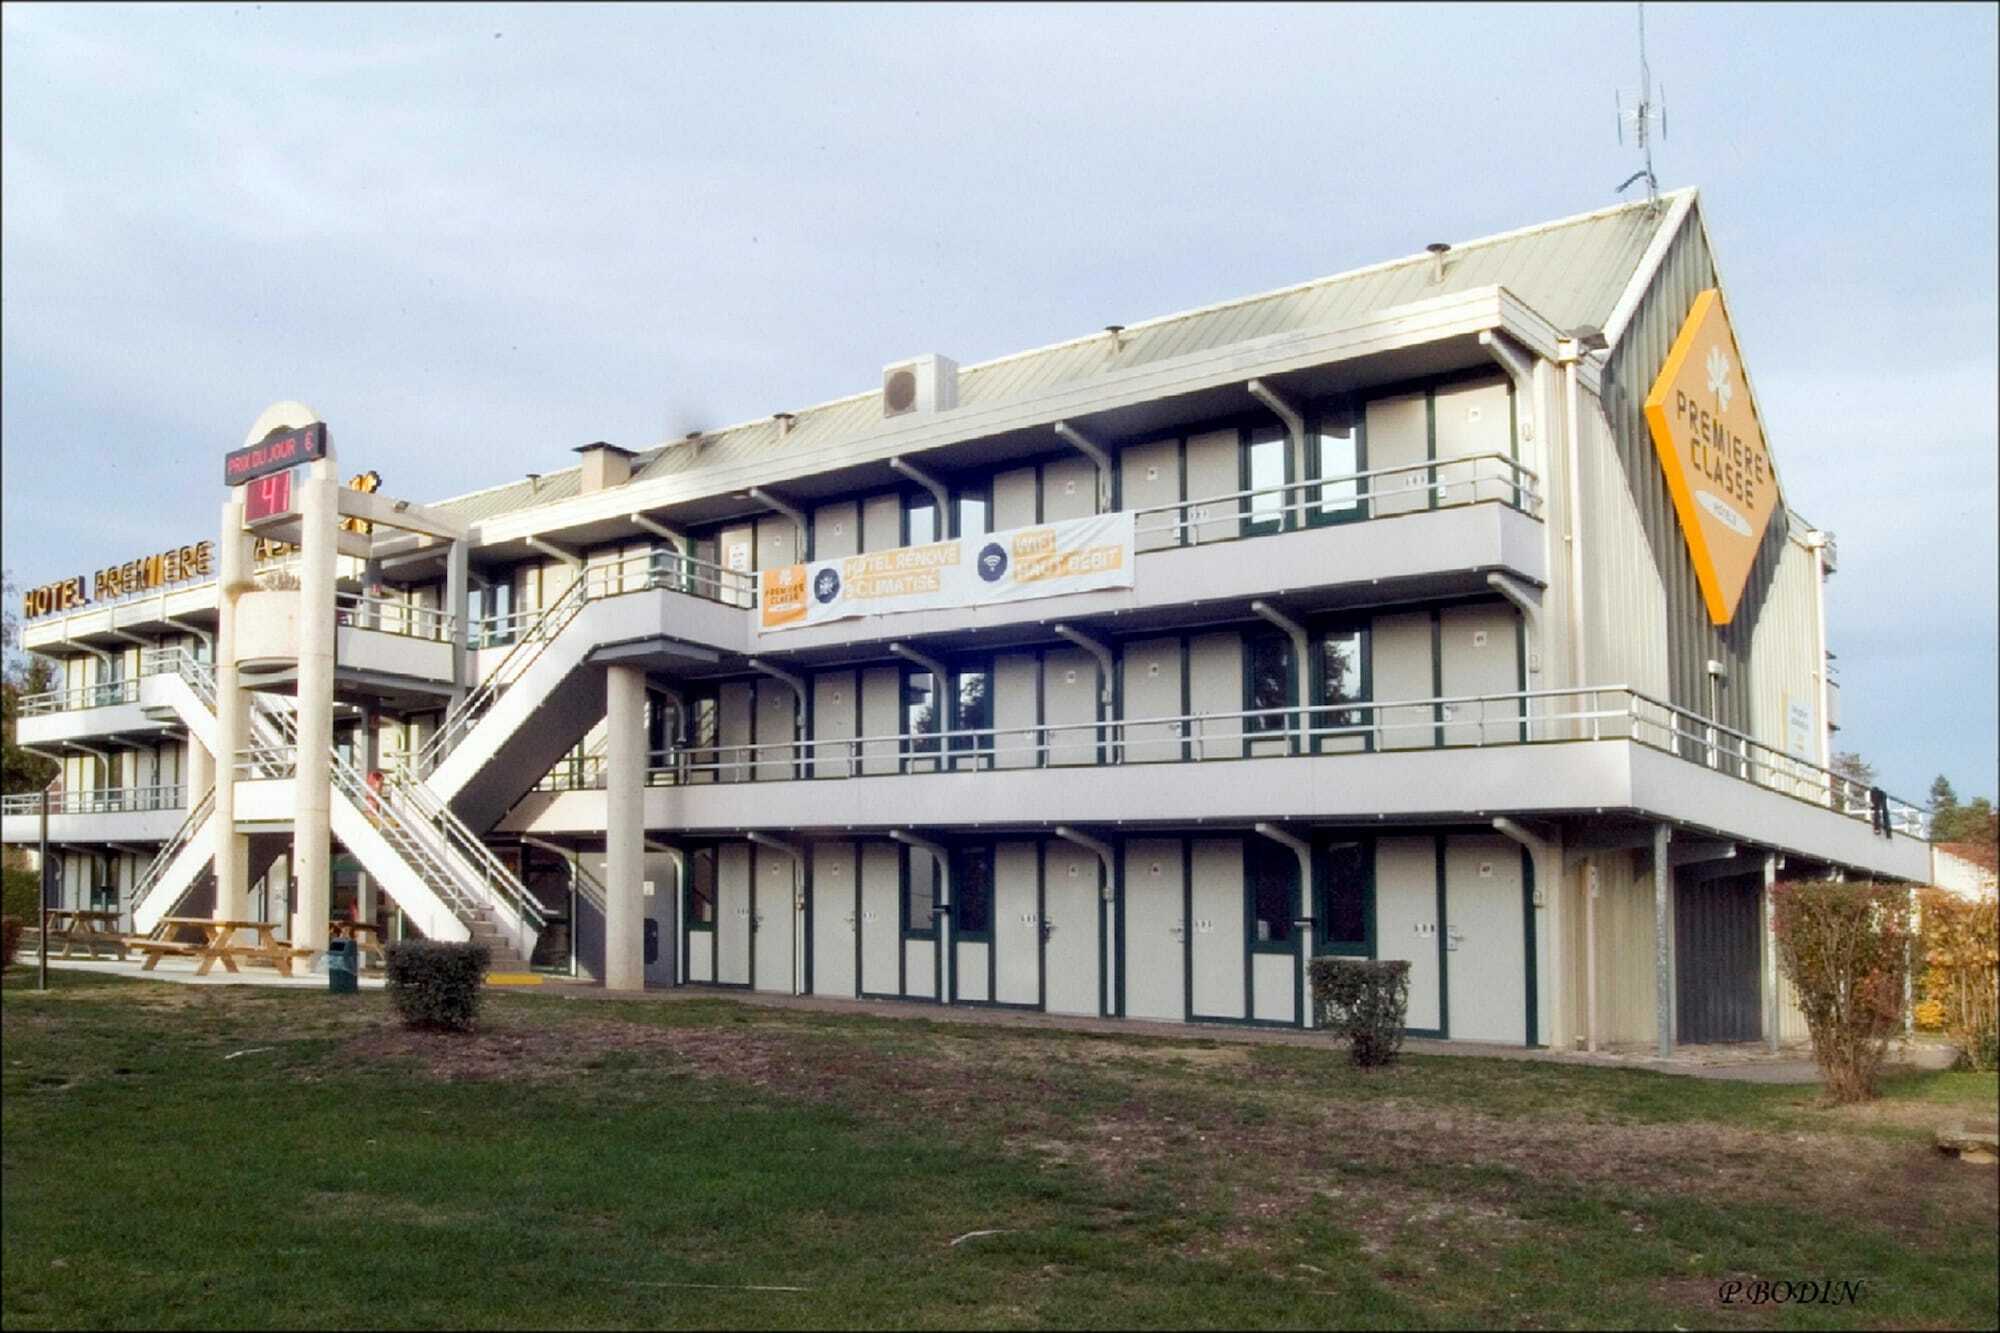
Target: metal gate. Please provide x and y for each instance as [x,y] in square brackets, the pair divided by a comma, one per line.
[1717,958]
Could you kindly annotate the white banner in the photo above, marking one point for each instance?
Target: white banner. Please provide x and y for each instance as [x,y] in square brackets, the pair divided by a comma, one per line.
[1046,560]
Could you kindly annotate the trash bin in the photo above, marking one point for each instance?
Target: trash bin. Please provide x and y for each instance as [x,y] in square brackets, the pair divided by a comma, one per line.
[343,967]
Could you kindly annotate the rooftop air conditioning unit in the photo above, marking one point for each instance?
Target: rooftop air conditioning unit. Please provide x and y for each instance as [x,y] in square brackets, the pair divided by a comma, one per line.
[919,386]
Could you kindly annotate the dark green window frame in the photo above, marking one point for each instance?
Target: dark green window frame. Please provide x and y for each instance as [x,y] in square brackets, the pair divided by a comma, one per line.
[917,754]
[1353,505]
[1252,518]
[1358,633]
[1254,645]
[920,502]
[918,906]
[971,752]
[980,494]
[972,894]
[1270,896]
[1344,890]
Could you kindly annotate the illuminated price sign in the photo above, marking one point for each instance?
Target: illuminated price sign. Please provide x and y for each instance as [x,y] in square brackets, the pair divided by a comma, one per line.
[268,497]
[274,453]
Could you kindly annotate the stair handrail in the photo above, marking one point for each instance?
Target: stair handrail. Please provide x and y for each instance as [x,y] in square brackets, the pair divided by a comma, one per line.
[527,650]
[499,880]
[586,884]
[156,869]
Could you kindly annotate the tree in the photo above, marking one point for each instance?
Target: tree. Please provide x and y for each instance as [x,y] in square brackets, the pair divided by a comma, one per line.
[19,770]
[1854,768]
[1974,821]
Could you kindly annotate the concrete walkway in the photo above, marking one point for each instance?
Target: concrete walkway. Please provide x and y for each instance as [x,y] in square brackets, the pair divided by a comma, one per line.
[181,972]
[1743,1063]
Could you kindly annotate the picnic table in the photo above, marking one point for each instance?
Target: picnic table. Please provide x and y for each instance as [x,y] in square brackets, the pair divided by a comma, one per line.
[218,944]
[367,937]
[89,929]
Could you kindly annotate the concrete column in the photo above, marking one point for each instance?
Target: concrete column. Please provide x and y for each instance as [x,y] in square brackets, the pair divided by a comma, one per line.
[624,828]
[458,605]
[312,788]
[371,759]
[235,575]
[1771,1010]
[1663,966]
[197,770]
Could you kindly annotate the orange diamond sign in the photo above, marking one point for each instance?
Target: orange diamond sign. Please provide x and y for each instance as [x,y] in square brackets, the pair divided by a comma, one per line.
[1713,451]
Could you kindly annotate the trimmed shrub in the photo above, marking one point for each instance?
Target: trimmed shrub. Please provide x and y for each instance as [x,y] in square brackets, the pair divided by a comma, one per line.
[1845,948]
[1960,982]
[436,984]
[1365,1000]
[10,939]
[22,896]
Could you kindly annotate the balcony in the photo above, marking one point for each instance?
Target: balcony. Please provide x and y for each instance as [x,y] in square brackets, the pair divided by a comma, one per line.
[109,814]
[1546,752]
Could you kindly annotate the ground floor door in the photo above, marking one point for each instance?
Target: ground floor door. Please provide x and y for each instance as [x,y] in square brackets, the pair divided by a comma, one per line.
[1217,986]
[881,919]
[1072,946]
[1486,946]
[1017,923]
[836,888]
[1407,922]
[1718,960]
[1155,963]
[734,919]
[775,919]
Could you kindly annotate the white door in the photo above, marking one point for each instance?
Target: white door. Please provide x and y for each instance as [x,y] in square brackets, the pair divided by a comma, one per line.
[733,913]
[1017,923]
[1485,940]
[775,917]
[1155,930]
[661,897]
[1406,920]
[834,918]
[881,926]
[1070,928]
[1219,938]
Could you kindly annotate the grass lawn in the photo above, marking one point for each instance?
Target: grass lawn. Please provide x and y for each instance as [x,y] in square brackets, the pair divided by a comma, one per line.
[178,1156]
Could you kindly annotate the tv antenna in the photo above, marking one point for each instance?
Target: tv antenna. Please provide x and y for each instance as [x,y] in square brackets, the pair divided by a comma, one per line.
[1642,117]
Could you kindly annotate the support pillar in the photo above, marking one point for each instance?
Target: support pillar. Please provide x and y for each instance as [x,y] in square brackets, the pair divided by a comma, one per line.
[1771,1009]
[197,770]
[458,605]
[312,785]
[231,850]
[1663,966]
[624,828]
[371,760]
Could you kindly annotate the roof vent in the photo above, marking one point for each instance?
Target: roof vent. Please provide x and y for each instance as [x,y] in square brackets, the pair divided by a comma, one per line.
[1438,251]
[920,386]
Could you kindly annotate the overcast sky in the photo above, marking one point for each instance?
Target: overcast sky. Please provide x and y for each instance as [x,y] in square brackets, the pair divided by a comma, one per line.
[475,237]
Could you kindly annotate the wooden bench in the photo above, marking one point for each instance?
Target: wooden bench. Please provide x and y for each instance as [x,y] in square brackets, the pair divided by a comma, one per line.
[87,928]
[156,949]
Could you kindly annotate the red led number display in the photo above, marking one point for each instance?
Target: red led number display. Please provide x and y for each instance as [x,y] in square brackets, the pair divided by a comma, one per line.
[268,497]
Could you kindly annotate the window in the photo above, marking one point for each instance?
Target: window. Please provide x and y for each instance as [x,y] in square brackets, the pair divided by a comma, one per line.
[1340,679]
[1336,453]
[492,612]
[1264,472]
[701,889]
[975,714]
[1346,887]
[919,894]
[1268,681]
[971,518]
[972,893]
[920,714]
[662,727]
[1273,881]
[919,520]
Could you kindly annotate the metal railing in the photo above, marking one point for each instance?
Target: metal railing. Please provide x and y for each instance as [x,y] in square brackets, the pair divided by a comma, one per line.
[1350,497]
[100,801]
[1611,712]
[387,615]
[171,848]
[101,695]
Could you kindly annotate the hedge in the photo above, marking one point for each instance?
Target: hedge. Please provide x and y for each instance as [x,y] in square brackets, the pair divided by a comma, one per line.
[437,984]
[22,896]
[1365,1000]
[1960,981]
[10,939]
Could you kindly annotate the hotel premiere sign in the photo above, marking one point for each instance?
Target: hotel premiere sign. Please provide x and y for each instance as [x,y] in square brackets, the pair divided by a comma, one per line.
[1712,449]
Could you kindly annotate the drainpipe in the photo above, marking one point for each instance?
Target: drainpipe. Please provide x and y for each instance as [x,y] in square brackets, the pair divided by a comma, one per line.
[1572,519]
[195,630]
[939,491]
[1098,455]
[1295,426]
[797,685]
[1663,992]
[1301,645]
[658,529]
[794,513]
[1107,663]
[1520,368]
[1546,855]
[1303,925]
[562,553]
[1590,892]
[1817,541]
[1105,859]
[798,862]
[941,911]
[1528,603]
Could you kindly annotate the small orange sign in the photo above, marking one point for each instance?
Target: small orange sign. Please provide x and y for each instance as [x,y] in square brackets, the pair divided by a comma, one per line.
[1712,448]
